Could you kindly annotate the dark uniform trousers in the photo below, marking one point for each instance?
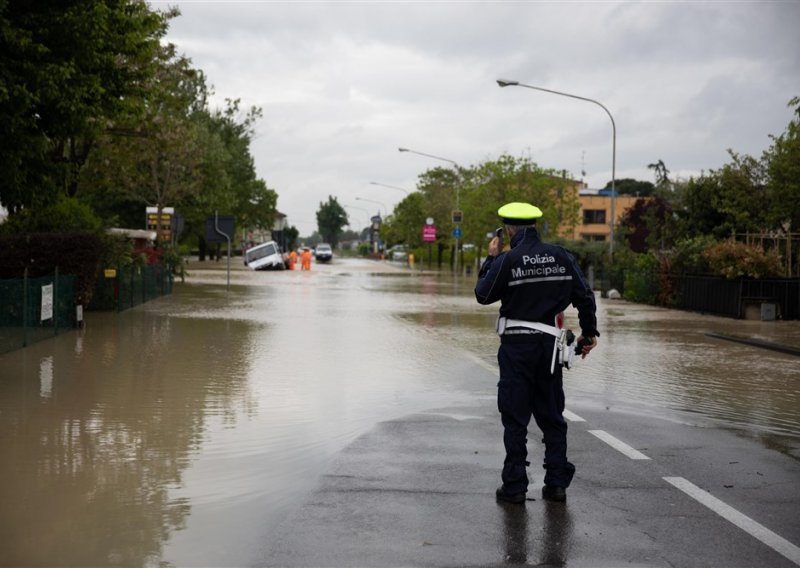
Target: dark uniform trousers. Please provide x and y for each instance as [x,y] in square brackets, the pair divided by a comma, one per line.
[526,386]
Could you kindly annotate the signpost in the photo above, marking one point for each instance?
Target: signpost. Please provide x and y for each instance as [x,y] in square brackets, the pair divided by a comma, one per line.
[458,217]
[217,228]
[47,302]
[429,236]
[375,229]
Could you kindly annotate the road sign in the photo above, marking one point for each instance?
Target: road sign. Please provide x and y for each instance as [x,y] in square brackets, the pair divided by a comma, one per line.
[225,224]
[458,216]
[164,228]
[429,233]
[457,232]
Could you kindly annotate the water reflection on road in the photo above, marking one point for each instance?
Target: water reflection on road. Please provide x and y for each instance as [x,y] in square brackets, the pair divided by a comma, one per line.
[180,431]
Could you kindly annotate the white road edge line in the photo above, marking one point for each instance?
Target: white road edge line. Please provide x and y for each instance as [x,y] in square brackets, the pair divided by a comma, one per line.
[572,417]
[481,363]
[775,542]
[618,445]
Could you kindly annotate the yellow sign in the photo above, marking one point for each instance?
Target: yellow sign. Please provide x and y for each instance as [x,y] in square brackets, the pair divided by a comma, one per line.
[110,272]
[165,229]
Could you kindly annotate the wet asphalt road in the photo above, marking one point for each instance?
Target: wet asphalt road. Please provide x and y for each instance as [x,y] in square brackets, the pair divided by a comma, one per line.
[346,417]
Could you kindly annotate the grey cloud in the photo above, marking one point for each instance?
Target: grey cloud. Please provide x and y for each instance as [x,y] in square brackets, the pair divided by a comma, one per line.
[343,85]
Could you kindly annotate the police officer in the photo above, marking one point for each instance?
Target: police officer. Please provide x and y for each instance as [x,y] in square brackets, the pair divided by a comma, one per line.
[534,282]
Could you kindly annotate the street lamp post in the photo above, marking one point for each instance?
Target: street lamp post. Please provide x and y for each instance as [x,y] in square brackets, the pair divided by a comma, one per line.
[367,213]
[356,220]
[375,247]
[508,83]
[373,201]
[458,192]
[390,186]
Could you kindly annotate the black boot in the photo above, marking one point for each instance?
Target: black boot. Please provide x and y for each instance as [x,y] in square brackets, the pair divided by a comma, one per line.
[554,493]
[516,498]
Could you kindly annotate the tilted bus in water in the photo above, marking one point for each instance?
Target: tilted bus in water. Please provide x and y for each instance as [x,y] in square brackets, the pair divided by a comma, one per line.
[266,256]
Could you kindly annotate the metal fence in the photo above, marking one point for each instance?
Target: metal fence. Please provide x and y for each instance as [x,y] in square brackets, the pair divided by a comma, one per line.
[731,298]
[32,309]
[784,292]
[124,288]
[708,294]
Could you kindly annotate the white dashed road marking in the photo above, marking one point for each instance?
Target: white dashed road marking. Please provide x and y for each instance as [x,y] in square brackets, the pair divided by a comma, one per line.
[775,542]
[619,445]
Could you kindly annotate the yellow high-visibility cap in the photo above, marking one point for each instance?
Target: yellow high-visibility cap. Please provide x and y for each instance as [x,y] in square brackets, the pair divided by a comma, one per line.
[517,213]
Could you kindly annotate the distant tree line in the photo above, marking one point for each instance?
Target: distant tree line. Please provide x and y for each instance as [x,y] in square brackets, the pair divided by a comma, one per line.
[680,225]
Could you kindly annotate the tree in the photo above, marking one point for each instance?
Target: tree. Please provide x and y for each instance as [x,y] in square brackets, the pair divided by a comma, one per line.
[438,187]
[291,234]
[783,169]
[629,186]
[729,200]
[331,219]
[646,224]
[228,180]
[68,70]
[405,224]
[661,173]
[153,156]
[495,182]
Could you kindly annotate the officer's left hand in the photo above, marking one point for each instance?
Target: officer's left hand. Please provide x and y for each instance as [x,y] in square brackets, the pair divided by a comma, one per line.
[495,246]
[590,344]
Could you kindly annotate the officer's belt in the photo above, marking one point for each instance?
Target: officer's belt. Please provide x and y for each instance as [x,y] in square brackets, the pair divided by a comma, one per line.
[561,347]
[504,323]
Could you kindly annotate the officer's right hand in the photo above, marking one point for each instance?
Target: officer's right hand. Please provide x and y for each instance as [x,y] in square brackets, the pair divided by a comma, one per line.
[495,246]
[589,343]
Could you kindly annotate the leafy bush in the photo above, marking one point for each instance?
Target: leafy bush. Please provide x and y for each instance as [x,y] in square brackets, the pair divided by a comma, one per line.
[587,253]
[732,259]
[642,279]
[117,250]
[364,249]
[65,215]
[687,256]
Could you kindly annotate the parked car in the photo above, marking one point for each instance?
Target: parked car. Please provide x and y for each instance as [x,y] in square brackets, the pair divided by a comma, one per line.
[398,253]
[323,252]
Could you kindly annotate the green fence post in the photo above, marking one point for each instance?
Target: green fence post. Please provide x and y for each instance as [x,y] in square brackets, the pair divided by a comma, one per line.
[25,308]
[55,303]
[118,289]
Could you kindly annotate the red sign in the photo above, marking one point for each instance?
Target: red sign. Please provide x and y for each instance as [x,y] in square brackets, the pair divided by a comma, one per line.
[429,233]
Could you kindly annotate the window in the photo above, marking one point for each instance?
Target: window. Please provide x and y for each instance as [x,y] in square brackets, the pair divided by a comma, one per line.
[588,237]
[260,251]
[594,216]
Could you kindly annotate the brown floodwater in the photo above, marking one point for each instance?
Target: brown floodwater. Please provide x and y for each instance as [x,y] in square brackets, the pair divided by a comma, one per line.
[179,432]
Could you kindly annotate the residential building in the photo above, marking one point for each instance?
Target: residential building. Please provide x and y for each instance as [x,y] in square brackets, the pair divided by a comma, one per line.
[594,218]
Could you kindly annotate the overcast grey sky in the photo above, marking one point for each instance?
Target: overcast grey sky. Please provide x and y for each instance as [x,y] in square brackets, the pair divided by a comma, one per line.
[344,84]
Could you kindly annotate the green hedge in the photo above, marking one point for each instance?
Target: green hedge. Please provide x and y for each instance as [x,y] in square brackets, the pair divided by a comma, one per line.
[41,253]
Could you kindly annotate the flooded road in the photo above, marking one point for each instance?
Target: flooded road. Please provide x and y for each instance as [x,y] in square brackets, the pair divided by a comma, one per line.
[179,432]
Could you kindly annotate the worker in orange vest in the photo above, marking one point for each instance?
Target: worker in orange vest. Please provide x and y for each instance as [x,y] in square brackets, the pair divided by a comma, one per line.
[305,259]
[292,260]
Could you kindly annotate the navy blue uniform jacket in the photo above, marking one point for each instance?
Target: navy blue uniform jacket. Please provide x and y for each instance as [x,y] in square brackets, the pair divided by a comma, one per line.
[536,281]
